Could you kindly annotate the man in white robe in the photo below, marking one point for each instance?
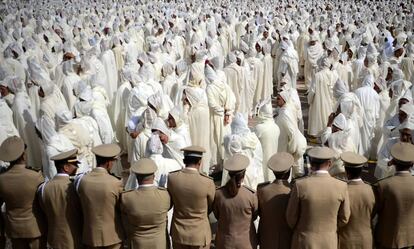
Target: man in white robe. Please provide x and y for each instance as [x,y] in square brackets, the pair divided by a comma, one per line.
[407,63]
[24,119]
[268,133]
[69,82]
[7,127]
[370,103]
[243,141]
[198,116]
[176,122]
[119,108]
[220,103]
[384,164]
[313,52]
[289,63]
[53,143]
[291,140]
[320,98]
[336,137]
[257,73]
[111,73]
[80,138]
[234,79]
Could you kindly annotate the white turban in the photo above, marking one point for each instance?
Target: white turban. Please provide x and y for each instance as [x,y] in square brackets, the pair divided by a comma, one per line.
[160,125]
[154,145]
[167,69]
[15,84]
[340,88]
[285,95]
[368,81]
[340,121]
[63,117]
[239,125]
[177,115]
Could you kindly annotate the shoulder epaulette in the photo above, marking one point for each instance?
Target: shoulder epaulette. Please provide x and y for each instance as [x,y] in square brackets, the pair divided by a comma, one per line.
[162,188]
[205,175]
[260,185]
[299,178]
[340,179]
[119,178]
[381,179]
[127,191]
[250,189]
[175,171]
[31,168]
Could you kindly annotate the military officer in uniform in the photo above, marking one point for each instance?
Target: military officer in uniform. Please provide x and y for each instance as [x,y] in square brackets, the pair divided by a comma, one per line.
[25,223]
[192,194]
[235,207]
[144,210]
[273,197]
[61,204]
[318,204]
[395,202]
[99,195]
[358,232]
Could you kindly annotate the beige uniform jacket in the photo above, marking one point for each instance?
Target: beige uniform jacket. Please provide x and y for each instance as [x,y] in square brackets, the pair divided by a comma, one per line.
[395,202]
[274,232]
[357,234]
[144,213]
[18,188]
[318,205]
[99,194]
[235,217]
[192,195]
[63,211]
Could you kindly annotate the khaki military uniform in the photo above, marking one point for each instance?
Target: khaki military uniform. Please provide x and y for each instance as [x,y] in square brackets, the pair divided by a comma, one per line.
[358,232]
[395,202]
[192,195]
[62,207]
[318,205]
[144,213]
[24,220]
[235,217]
[274,232]
[99,193]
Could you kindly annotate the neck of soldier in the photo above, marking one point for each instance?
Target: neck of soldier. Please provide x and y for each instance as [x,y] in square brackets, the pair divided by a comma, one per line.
[322,166]
[145,182]
[195,166]
[18,161]
[105,165]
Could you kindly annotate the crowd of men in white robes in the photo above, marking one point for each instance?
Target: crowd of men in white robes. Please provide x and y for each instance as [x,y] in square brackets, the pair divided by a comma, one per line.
[157,76]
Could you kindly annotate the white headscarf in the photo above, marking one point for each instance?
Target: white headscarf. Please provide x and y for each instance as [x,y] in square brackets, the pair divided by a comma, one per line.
[154,145]
[239,125]
[340,122]
[160,125]
[340,88]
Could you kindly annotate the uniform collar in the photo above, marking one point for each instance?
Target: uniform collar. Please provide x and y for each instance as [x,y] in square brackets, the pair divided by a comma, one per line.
[190,170]
[62,174]
[355,181]
[321,173]
[146,186]
[100,170]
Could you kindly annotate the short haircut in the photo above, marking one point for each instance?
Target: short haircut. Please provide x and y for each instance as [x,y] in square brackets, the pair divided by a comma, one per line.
[188,160]
[353,172]
[103,160]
